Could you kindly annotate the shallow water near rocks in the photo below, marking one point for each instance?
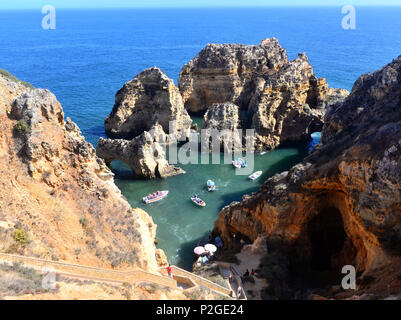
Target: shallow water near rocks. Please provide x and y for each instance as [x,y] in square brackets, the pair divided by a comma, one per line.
[92,53]
[181,224]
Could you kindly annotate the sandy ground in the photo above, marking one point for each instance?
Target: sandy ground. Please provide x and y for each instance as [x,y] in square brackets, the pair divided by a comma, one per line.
[249,259]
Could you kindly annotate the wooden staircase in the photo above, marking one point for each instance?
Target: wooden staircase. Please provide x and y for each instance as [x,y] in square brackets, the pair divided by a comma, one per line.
[188,280]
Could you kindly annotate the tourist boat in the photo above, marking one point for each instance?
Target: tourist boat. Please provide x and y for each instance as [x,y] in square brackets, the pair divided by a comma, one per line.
[237,164]
[242,162]
[198,202]
[263,153]
[157,196]
[210,185]
[255,175]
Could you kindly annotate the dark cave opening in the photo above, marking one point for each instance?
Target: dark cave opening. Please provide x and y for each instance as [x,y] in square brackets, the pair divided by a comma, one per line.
[325,250]
[327,237]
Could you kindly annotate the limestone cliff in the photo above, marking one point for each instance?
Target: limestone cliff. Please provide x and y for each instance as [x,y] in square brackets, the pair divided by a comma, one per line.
[58,199]
[282,100]
[342,205]
[290,105]
[150,98]
[223,121]
[224,72]
[145,156]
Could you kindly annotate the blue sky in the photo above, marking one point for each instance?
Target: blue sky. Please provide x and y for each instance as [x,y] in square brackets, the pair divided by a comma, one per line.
[34,4]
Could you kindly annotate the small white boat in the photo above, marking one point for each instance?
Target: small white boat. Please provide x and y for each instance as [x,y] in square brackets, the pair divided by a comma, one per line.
[210,185]
[199,202]
[255,175]
[154,197]
[263,153]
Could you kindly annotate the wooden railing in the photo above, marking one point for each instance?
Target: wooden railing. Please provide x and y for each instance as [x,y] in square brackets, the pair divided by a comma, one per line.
[236,276]
[87,272]
[116,276]
[199,280]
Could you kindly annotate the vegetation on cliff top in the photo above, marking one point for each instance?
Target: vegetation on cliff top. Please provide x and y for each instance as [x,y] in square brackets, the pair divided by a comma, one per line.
[8,75]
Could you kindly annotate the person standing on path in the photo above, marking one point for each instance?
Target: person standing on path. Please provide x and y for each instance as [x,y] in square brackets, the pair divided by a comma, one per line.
[169,271]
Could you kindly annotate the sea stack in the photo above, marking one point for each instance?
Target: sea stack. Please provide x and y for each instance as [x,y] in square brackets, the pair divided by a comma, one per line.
[282,100]
[225,72]
[146,158]
[150,98]
[148,114]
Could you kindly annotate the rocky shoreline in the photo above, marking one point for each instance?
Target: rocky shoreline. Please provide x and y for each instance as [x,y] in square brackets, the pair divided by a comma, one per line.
[236,87]
[341,206]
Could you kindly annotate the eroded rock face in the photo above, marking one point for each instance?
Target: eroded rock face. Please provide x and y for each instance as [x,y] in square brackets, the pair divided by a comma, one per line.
[283,100]
[143,154]
[342,205]
[224,72]
[222,116]
[222,121]
[60,193]
[289,105]
[150,98]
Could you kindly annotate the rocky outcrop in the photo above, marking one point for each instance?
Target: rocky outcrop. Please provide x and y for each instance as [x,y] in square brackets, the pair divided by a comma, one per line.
[224,72]
[289,105]
[57,195]
[149,110]
[341,205]
[150,98]
[143,154]
[282,100]
[223,121]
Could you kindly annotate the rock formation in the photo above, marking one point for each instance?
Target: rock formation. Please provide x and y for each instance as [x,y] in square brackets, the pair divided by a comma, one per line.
[150,98]
[146,157]
[58,199]
[284,100]
[224,72]
[342,205]
[290,105]
[223,121]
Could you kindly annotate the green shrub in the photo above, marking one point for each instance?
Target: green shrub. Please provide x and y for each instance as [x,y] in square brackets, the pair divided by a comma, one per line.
[22,126]
[20,236]
[193,295]
[84,222]
[218,279]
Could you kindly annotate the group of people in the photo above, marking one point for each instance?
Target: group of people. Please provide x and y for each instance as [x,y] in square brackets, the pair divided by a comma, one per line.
[154,195]
[247,273]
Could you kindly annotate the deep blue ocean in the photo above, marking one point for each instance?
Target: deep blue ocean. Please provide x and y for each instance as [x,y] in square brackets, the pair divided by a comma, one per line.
[92,53]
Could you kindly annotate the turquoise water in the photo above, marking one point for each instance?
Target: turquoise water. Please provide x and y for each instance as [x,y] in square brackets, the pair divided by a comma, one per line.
[92,53]
[181,224]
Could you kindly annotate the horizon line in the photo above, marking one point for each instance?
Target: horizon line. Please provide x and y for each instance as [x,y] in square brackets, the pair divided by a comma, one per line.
[208,7]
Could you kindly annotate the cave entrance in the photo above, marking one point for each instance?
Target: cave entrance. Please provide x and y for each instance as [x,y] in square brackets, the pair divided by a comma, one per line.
[321,252]
[327,237]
